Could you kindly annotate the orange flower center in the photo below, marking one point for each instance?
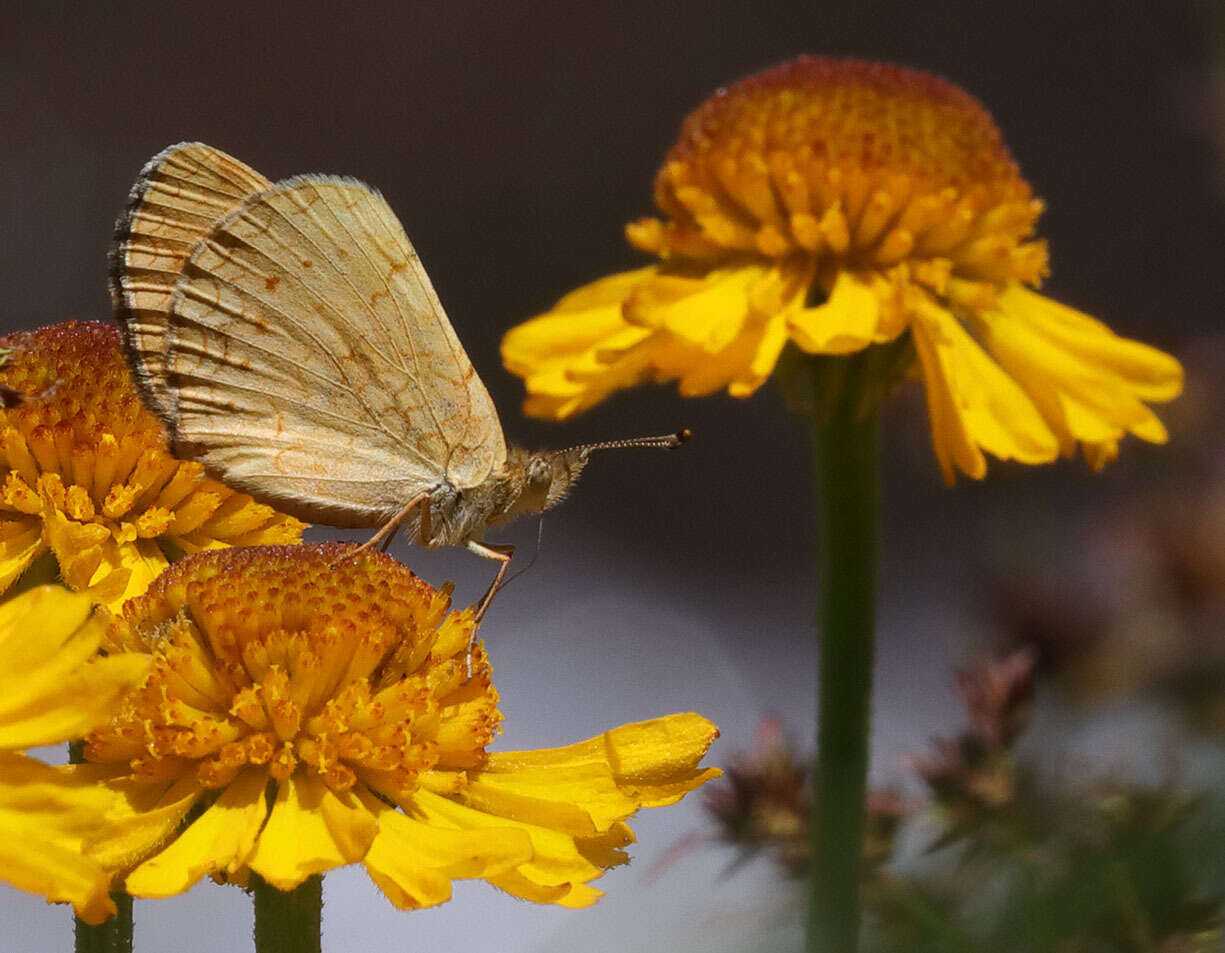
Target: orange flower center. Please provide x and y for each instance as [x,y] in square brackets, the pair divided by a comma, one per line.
[80,431]
[299,658]
[860,164]
[84,464]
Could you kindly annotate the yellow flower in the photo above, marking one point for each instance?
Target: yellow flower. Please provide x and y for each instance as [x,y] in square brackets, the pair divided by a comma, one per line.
[85,471]
[307,710]
[50,691]
[838,205]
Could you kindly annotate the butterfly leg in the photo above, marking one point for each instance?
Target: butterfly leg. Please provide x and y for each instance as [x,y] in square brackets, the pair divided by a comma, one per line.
[499,554]
[388,530]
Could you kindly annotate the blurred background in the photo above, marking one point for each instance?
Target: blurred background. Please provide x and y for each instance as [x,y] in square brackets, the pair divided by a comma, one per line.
[515,140]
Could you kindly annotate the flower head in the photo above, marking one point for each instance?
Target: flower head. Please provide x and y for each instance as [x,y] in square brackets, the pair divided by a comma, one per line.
[840,205]
[85,471]
[52,690]
[308,709]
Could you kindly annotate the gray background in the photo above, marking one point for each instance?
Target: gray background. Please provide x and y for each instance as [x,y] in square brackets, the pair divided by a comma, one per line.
[514,140]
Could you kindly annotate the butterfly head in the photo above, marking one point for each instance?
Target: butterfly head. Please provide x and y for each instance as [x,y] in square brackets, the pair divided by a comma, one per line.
[545,477]
[527,483]
[539,481]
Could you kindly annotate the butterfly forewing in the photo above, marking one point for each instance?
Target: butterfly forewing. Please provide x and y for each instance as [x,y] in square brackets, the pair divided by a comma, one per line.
[180,195]
[311,362]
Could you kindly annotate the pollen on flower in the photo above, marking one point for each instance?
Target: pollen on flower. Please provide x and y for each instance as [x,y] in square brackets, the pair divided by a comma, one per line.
[863,163]
[86,471]
[300,660]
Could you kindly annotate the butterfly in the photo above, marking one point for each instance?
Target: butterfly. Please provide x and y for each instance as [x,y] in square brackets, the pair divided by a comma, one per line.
[288,337]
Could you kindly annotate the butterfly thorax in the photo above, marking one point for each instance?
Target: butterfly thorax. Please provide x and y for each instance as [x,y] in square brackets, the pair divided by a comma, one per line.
[528,482]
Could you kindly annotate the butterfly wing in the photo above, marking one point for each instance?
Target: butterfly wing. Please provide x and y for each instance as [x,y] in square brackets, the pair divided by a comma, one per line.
[180,194]
[311,364]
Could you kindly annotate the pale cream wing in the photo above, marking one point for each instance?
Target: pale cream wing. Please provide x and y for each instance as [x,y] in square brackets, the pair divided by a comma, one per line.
[311,363]
[181,193]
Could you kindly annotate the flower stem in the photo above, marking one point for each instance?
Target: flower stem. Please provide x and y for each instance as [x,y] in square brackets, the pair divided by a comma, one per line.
[112,936]
[288,921]
[846,449]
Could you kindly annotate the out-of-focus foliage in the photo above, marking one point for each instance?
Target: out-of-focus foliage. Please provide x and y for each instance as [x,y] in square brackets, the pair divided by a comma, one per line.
[1001,855]
[1135,608]
[1026,861]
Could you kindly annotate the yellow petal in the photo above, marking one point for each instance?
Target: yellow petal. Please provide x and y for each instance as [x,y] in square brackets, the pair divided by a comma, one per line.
[56,871]
[1150,374]
[707,312]
[746,361]
[564,392]
[653,761]
[578,323]
[701,373]
[1087,382]
[143,561]
[311,829]
[518,885]
[221,838]
[78,547]
[414,863]
[580,351]
[578,897]
[21,542]
[67,799]
[604,849]
[952,442]
[44,813]
[236,515]
[578,799]
[39,625]
[972,402]
[848,321]
[556,860]
[49,692]
[144,818]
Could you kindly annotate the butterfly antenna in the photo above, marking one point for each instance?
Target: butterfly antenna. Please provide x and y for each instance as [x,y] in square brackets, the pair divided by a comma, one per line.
[665,442]
[536,555]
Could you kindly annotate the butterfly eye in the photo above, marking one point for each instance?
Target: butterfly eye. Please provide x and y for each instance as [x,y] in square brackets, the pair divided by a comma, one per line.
[539,472]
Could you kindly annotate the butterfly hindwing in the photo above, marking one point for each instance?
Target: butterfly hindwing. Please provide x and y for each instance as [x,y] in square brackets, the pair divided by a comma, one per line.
[311,362]
[178,197]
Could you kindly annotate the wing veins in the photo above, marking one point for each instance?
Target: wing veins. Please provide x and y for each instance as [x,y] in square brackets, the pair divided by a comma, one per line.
[339,366]
[320,347]
[187,291]
[310,212]
[414,378]
[267,393]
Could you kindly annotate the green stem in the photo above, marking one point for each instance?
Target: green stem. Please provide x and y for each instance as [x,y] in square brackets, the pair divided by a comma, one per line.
[288,921]
[847,501]
[113,936]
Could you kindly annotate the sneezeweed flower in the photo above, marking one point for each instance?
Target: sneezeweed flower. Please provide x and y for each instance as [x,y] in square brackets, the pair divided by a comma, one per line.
[52,689]
[307,709]
[843,206]
[87,473]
